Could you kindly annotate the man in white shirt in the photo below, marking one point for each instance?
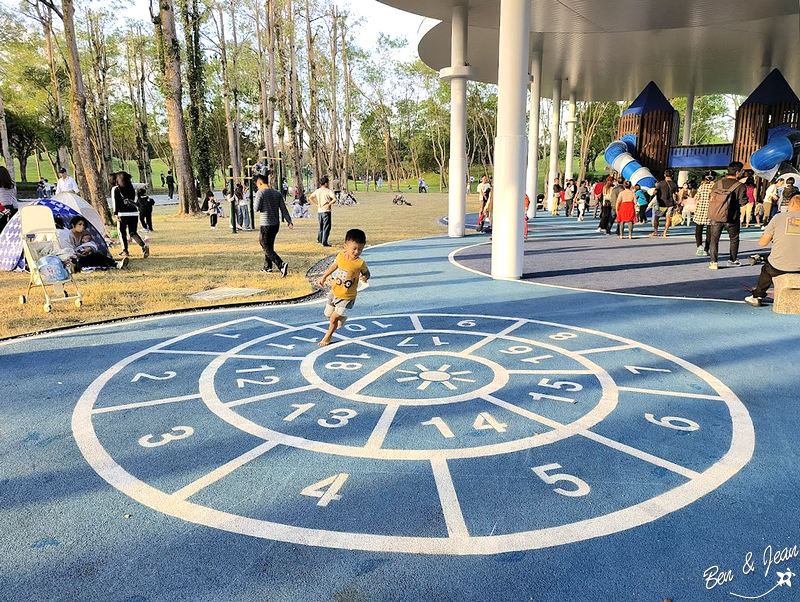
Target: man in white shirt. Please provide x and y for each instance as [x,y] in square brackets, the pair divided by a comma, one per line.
[323,199]
[66,183]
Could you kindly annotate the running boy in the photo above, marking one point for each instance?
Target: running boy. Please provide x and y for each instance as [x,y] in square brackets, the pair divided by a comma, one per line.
[348,268]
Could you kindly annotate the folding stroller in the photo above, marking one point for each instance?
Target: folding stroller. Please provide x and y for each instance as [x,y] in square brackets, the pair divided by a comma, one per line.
[44,256]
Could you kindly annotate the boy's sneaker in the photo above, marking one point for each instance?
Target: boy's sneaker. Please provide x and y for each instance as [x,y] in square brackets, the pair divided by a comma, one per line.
[713,265]
[754,259]
[267,270]
[284,269]
[123,263]
[146,251]
[734,263]
[754,301]
[700,252]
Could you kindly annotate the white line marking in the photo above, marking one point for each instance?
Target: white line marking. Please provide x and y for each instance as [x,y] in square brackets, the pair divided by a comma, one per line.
[641,455]
[456,527]
[180,352]
[673,393]
[416,323]
[452,259]
[379,347]
[241,402]
[144,404]
[266,357]
[223,471]
[550,372]
[524,413]
[493,337]
[381,429]
[373,375]
[605,349]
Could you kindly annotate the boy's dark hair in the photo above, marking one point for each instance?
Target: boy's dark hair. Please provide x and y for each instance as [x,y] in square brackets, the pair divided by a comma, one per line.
[734,167]
[323,180]
[356,235]
[263,178]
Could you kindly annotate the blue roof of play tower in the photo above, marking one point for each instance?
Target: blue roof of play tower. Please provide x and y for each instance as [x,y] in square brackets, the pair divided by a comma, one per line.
[651,99]
[773,90]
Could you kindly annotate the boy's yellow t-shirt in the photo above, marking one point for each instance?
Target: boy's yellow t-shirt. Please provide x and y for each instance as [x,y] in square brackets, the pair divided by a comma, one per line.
[346,276]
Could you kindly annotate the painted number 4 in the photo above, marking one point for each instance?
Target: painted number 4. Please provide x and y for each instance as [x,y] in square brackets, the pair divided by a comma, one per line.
[581,486]
[327,490]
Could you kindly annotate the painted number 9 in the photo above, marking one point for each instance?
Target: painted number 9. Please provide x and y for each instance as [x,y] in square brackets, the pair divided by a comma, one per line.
[581,487]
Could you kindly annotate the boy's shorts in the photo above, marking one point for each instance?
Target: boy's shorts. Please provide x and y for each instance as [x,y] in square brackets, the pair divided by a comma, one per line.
[340,306]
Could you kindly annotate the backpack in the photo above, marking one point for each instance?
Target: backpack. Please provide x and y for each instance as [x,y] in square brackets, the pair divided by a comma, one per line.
[719,205]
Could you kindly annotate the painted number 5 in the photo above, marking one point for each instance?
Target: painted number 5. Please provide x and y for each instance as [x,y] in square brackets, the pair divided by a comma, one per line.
[582,488]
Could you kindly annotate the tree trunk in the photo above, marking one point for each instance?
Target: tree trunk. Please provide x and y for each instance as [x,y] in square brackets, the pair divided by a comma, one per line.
[93,189]
[348,117]
[334,160]
[9,160]
[99,56]
[198,136]
[226,94]
[313,110]
[60,130]
[171,88]
[272,94]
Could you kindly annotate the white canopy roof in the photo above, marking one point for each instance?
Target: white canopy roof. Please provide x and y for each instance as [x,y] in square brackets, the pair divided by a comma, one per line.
[611,49]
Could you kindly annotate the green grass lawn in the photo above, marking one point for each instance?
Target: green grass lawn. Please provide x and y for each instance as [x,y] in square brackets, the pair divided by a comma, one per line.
[187,257]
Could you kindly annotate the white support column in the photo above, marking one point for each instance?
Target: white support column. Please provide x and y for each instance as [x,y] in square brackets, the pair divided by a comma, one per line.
[458,74]
[555,124]
[571,121]
[687,132]
[511,142]
[532,182]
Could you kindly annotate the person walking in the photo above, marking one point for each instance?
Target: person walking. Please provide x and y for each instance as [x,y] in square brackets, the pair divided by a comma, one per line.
[126,211]
[170,179]
[270,206]
[700,217]
[323,199]
[771,200]
[724,211]
[666,196]
[145,204]
[626,209]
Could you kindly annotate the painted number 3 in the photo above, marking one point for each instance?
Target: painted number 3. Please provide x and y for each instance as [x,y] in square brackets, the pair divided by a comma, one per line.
[178,432]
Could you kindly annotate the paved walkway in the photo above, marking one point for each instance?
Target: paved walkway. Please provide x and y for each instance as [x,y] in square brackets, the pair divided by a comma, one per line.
[462,439]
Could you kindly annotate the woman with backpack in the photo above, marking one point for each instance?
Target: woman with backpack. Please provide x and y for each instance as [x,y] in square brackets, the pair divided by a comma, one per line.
[123,204]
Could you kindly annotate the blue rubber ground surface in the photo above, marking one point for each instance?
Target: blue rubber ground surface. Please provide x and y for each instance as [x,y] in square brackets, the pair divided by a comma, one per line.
[462,439]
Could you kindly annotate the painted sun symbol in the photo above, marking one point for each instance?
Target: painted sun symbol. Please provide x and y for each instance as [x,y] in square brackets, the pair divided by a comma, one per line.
[428,376]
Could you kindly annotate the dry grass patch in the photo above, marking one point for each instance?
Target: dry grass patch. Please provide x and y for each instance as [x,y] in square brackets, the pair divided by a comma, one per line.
[188,257]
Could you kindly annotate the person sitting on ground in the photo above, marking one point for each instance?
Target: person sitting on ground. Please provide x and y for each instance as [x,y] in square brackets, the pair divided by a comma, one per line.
[783,231]
[83,250]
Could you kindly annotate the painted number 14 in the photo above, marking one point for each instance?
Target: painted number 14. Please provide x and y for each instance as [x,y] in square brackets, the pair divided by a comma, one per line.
[484,422]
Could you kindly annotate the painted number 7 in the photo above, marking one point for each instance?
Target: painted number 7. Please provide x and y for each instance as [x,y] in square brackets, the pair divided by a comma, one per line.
[581,487]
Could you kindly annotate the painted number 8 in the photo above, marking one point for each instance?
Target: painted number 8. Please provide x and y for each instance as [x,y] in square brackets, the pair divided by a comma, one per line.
[343,366]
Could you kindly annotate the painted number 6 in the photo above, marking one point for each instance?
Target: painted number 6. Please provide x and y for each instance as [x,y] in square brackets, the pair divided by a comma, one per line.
[582,488]
[674,422]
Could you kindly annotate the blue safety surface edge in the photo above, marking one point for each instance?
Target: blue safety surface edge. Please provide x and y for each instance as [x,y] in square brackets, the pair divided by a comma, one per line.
[463,438]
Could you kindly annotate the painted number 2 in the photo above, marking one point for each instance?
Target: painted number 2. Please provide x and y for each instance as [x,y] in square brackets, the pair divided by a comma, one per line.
[581,487]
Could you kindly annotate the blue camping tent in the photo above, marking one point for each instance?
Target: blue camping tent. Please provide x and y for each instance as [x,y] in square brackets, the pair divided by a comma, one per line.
[11,254]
